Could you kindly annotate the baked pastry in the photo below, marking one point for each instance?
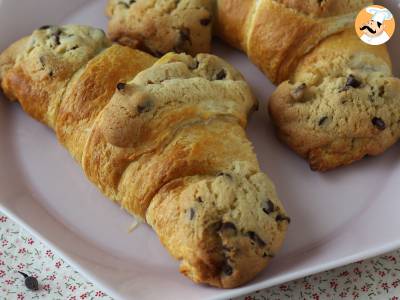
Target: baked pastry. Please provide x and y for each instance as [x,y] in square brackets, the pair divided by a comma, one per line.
[162,26]
[340,101]
[341,104]
[276,34]
[149,134]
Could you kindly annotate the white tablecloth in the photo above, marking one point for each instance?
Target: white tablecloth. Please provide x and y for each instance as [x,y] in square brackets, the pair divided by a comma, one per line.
[377,278]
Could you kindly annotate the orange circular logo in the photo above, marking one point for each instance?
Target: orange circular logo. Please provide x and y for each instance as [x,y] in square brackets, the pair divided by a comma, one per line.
[375,25]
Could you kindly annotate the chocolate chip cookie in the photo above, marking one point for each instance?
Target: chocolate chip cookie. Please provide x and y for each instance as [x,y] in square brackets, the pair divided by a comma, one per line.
[161,26]
[338,118]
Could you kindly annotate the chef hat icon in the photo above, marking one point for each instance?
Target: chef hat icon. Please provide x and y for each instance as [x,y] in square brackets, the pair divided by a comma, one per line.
[379,14]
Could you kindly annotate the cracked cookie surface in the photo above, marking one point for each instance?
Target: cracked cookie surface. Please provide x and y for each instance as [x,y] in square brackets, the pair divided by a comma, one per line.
[50,56]
[339,106]
[161,26]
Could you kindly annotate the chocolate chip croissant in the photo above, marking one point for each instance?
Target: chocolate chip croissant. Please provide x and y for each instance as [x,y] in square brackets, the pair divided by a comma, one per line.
[337,99]
[165,139]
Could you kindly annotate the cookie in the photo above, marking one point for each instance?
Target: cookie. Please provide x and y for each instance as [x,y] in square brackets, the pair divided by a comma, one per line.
[340,106]
[161,26]
[227,226]
[49,58]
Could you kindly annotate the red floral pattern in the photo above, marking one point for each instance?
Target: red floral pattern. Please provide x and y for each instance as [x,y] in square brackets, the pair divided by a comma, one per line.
[19,251]
[377,278]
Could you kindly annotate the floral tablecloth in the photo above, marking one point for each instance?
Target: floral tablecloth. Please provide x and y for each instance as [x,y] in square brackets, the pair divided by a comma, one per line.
[377,278]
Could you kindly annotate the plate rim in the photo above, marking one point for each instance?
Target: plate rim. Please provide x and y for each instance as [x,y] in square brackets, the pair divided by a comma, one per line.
[268,283]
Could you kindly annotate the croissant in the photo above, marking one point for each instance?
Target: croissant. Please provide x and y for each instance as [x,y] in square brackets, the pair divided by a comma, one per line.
[337,101]
[165,139]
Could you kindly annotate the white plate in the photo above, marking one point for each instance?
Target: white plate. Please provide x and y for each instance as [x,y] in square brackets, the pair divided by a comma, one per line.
[338,217]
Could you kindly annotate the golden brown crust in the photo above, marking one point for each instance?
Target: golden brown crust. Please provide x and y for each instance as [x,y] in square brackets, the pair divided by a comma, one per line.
[278,45]
[34,98]
[8,58]
[84,104]
[325,8]
[153,144]
[277,34]
[345,44]
[231,18]
[142,139]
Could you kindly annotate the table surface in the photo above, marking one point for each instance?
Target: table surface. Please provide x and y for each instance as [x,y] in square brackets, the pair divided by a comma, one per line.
[376,278]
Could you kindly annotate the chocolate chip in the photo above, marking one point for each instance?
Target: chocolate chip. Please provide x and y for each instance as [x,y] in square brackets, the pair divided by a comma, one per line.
[150,82]
[30,282]
[126,5]
[372,92]
[268,207]
[194,65]
[221,75]
[205,21]
[351,82]
[381,91]
[51,73]
[224,174]
[298,92]
[191,213]
[184,34]
[44,27]
[74,47]
[265,255]
[322,121]
[42,62]
[183,38]
[157,53]
[56,35]
[379,123]
[199,199]
[217,226]
[280,218]
[227,269]
[144,107]
[228,227]
[254,237]
[123,4]
[121,86]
